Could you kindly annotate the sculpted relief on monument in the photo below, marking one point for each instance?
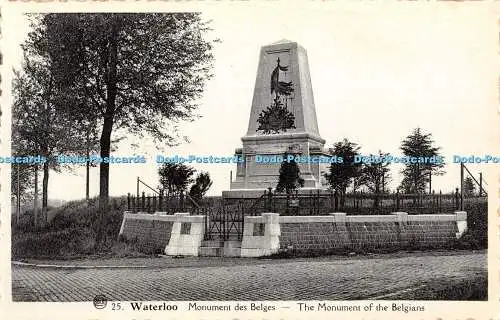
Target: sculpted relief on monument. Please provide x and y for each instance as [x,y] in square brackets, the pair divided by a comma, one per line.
[277,118]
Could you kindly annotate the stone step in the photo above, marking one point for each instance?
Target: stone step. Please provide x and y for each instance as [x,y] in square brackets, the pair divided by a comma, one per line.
[232,248]
[212,243]
[220,248]
[231,236]
[211,251]
[232,244]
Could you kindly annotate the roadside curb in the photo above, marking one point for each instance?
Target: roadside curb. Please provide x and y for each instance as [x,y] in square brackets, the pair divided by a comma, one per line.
[194,265]
[72,266]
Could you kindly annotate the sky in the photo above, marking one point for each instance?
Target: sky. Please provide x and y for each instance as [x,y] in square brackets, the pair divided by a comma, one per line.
[377,73]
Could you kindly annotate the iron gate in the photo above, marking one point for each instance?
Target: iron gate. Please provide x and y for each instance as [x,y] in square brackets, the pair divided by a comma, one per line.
[224,222]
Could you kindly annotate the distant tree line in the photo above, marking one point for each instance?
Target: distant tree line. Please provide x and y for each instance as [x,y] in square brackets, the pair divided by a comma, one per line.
[374,176]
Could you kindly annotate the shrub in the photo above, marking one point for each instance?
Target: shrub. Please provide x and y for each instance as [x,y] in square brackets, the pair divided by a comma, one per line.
[477,223]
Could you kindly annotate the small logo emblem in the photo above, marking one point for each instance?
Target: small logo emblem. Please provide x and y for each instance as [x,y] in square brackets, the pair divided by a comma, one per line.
[100,301]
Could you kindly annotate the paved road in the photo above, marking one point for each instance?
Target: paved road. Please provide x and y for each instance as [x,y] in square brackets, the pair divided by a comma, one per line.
[301,279]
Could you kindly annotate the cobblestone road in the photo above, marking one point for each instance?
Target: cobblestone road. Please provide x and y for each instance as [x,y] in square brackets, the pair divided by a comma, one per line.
[303,279]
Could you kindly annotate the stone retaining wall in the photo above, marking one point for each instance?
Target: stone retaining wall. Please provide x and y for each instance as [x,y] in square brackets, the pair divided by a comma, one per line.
[182,234]
[151,231]
[338,232]
[177,234]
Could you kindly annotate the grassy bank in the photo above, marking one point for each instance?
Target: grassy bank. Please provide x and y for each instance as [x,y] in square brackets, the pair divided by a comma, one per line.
[72,233]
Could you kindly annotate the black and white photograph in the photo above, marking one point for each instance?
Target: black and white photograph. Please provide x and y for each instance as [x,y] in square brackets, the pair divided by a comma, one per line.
[312,159]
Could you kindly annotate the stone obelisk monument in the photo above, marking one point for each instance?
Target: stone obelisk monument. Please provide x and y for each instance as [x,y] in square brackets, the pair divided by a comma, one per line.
[282,120]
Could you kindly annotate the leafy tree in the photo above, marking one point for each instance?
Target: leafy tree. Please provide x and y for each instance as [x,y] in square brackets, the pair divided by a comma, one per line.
[289,178]
[406,185]
[175,177]
[200,187]
[469,186]
[25,174]
[417,175]
[142,72]
[20,147]
[37,124]
[375,175]
[342,174]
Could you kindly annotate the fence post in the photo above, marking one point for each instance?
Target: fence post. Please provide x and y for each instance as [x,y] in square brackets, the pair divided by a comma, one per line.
[311,202]
[397,200]
[361,199]
[420,202]
[269,199]
[332,203]
[457,202]
[149,203]
[223,223]
[143,205]
[155,208]
[128,201]
[432,196]
[167,202]
[160,201]
[205,236]
[480,184]
[182,200]
[335,195]
[440,200]
[318,201]
[264,201]
[461,185]
[273,202]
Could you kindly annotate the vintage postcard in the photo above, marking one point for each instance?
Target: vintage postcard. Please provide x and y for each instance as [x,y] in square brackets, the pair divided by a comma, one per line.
[250,160]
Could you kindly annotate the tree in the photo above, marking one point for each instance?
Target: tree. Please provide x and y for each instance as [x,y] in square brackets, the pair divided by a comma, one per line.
[420,146]
[289,178]
[21,186]
[38,126]
[25,174]
[175,177]
[200,187]
[406,185]
[91,146]
[375,175]
[142,72]
[20,147]
[342,174]
[469,186]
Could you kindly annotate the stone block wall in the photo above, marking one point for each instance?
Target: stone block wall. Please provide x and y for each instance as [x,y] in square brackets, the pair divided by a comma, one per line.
[374,235]
[182,234]
[151,231]
[302,233]
[430,231]
[338,232]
